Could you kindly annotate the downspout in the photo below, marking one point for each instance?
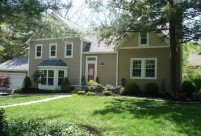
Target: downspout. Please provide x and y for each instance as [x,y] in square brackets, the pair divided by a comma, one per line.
[117,68]
[81,49]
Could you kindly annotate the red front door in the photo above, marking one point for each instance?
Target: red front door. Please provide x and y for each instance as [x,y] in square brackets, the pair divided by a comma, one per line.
[91,71]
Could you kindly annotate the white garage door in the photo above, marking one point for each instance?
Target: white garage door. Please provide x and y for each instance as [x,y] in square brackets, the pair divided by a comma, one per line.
[16,79]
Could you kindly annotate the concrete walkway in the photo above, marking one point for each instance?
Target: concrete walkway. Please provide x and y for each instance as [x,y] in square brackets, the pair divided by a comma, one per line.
[37,101]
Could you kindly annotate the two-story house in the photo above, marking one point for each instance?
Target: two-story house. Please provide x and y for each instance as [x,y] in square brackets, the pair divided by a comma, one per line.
[140,58]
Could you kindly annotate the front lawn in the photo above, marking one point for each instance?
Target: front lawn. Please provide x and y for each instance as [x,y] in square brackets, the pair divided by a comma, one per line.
[14,99]
[117,116]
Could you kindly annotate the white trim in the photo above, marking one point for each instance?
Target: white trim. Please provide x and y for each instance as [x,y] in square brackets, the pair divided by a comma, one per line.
[13,70]
[143,68]
[91,62]
[38,45]
[54,67]
[58,38]
[139,40]
[28,60]
[50,45]
[71,56]
[117,69]
[55,84]
[120,43]
[99,52]
[146,47]
[81,49]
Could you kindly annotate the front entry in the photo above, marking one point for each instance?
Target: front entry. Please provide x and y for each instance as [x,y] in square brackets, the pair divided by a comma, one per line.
[91,68]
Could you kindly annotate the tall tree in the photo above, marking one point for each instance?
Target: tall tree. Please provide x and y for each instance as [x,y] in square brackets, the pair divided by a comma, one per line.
[179,19]
[19,19]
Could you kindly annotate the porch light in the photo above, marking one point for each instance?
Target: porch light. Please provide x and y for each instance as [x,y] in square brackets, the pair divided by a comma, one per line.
[102,64]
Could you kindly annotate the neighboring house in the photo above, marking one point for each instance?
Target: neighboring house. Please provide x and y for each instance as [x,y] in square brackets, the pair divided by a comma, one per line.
[17,69]
[140,58]
[194,59]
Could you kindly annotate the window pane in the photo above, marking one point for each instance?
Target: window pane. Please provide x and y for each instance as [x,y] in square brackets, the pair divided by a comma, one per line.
[43,81]
[68,49]
[50,81]
[150,68]
[91,58]
[143,37]
[50,73]
[38,48]
[68,53]
[61,73]
[52,53]
[38,54]
[53,47]
[136,72]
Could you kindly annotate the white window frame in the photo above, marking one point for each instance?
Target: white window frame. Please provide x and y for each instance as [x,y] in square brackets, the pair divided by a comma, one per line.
[143,68]
[140,40]
[36,46]
[68,56]
[50,45]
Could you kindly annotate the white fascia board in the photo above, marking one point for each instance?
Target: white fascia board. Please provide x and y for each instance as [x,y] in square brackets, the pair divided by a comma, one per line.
[53,67]
[99,52]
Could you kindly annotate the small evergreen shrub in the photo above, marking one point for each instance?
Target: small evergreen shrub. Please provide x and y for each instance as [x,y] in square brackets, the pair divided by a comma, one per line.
[81,92]
[132,88]
[123,82]
[97,80]
[91,93]
[27,82]
[65,85]
[151,88]
[99,88]
[197,82]
[36,76]
[107,93]
[108,87]
[187,88]
[18,90]
[3,123]
[83,80]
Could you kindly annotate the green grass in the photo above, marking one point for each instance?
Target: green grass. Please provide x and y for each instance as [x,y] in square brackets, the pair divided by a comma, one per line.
[13,99]
[117,116]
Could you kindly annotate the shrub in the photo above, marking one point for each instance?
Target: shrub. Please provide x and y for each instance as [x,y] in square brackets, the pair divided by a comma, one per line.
[36,76]
[107,93]
[132,88]
[97,80]
[99,88]
[109,87]
[122,90]
[3,124]
[151,88]
[123,82]
[83,80]
[187,88]
[65,85]
[93,85]
[197,82]
[90,93]
[5,80]
[27,82]
[18,90]
[45,128]
[57,90]
[81,92]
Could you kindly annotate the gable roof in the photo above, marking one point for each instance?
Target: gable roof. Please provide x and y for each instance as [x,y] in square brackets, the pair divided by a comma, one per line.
[94,46]
[52,62]
[15,64]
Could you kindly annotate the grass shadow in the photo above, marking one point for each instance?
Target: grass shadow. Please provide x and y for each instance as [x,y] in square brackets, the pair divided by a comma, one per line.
[185,116]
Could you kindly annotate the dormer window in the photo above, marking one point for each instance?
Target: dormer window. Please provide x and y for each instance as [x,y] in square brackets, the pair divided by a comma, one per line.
[144,38]
[38,51]
[68,50]
[53,50]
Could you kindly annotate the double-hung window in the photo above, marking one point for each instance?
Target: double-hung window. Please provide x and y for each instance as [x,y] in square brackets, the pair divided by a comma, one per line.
[60,76]
[53,50]
[47,77]
[144,38]
[38,51]
[68,50]
[143,68]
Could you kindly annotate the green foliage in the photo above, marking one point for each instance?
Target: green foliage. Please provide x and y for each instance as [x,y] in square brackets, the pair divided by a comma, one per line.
[18,90]
[3,123]
[57,90]
[122,90]
[188,88]
[151,88]
[81,92]
[109,87]
[36,76]
[97,80]
[83,80]
[123,82]
[27,82]
[107,93]
[93,85]
[45,128]
[65,85]
[99,88]
[91,93]
[132,88]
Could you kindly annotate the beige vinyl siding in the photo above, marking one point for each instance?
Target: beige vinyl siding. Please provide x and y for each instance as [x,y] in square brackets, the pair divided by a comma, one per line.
[154,40]
[73,71]
[106,73]
[163,65]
